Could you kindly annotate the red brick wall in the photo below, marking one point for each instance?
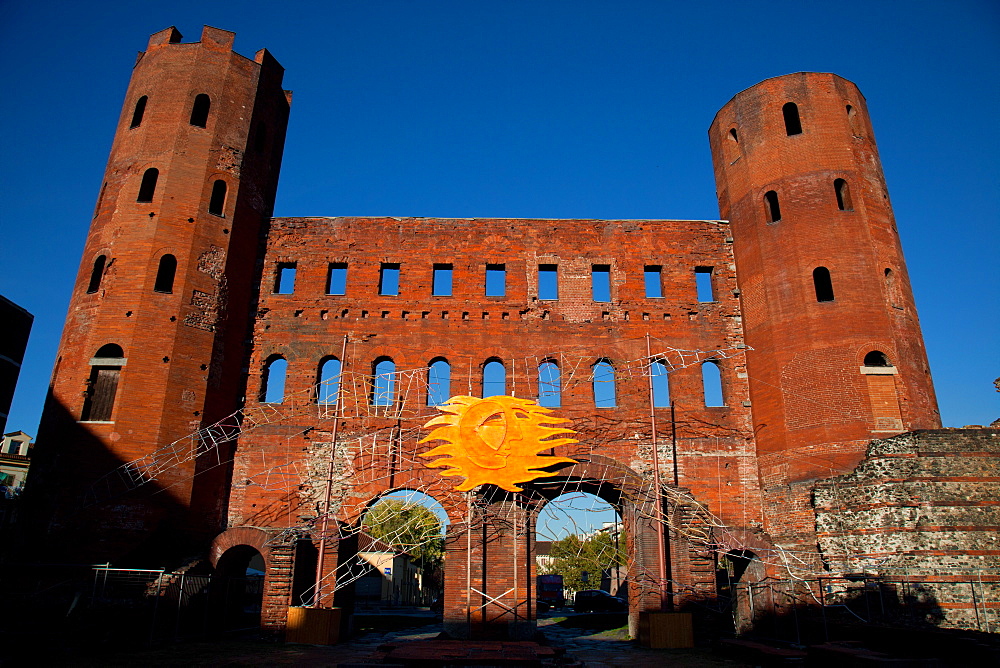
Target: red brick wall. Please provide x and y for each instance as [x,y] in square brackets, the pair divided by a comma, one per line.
[804,371]
[798,406]
[184,349]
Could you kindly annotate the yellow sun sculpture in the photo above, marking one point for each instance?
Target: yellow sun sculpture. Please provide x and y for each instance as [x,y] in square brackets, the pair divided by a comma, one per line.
[495,441]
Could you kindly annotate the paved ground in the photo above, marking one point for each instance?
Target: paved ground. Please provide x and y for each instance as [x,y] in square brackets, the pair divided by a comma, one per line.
[604,649]
[601,649]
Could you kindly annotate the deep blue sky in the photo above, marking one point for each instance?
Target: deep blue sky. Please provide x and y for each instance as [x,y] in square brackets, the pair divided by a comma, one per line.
[526,109]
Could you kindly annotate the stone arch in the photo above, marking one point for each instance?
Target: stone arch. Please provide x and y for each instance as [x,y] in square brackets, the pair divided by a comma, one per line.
[230,538]
[236,598]
[426,481]
[630,495]
[278,556]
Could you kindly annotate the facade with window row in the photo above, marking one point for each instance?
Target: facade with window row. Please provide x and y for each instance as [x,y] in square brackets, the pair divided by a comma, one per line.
[213,352]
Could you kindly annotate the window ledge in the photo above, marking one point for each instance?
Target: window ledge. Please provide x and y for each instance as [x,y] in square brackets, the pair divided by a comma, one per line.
[879,370]
[108,361]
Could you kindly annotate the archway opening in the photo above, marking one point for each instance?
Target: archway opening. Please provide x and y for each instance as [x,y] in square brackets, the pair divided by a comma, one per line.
[401,550]
[580,549]
[737,574]
[238,588]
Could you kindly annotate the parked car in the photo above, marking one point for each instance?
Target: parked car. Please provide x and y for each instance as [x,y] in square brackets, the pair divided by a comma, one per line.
[542,606]
[598,600]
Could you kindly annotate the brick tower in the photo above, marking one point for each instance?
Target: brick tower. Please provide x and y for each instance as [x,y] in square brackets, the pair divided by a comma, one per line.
[155,341]
[838,358]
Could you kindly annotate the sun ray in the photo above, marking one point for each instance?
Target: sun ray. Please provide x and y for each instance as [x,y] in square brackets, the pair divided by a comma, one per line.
[495,441]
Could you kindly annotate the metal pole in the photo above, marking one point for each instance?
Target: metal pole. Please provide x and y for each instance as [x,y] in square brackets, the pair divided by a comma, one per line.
[822,607]
[665,603]
[468,563]
[618,552]
[318,586]
[986,607]
[975,604]
[515,567]
[180,599]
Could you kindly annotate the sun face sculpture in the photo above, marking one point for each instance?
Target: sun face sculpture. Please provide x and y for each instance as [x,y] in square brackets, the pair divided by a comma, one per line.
[495,441]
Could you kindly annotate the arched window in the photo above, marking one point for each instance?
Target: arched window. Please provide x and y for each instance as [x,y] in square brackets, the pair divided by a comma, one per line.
[165,274]
[852,118]
[438,382]
[603,378]
[494,379]
[843,195]
[328,381]
[793,125]
[549,385]
[711,380]
[272,380]
[102,386]
[96,274]
[733,136]
[772,211]
[110,350]
[148,185]
[199,111]
[384,382]
[877,358]
[217,204]
[137,114]
[823,284]
[661,384]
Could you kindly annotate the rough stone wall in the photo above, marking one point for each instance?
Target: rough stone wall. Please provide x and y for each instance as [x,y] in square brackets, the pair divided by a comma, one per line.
[922,507]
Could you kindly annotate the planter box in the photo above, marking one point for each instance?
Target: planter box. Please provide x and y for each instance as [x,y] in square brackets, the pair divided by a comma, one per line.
[666,630]
[313,626]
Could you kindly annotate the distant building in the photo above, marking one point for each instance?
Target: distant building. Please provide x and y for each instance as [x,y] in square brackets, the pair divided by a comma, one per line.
[543,558]
[13,341]
[394,578]
[15,458]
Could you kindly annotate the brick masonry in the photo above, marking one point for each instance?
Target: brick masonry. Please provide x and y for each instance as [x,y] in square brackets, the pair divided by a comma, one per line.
[802,394]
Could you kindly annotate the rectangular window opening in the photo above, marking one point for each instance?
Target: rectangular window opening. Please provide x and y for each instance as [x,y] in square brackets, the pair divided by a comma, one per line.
[442,280]
[388,280]
[284,280]
[548,281]
[654,281]
[496,280]
[703,280]
[336,279]
[600,282]
[101,390]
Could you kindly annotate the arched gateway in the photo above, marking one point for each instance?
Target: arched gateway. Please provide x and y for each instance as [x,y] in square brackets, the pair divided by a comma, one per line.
[492,464]
[582,316]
